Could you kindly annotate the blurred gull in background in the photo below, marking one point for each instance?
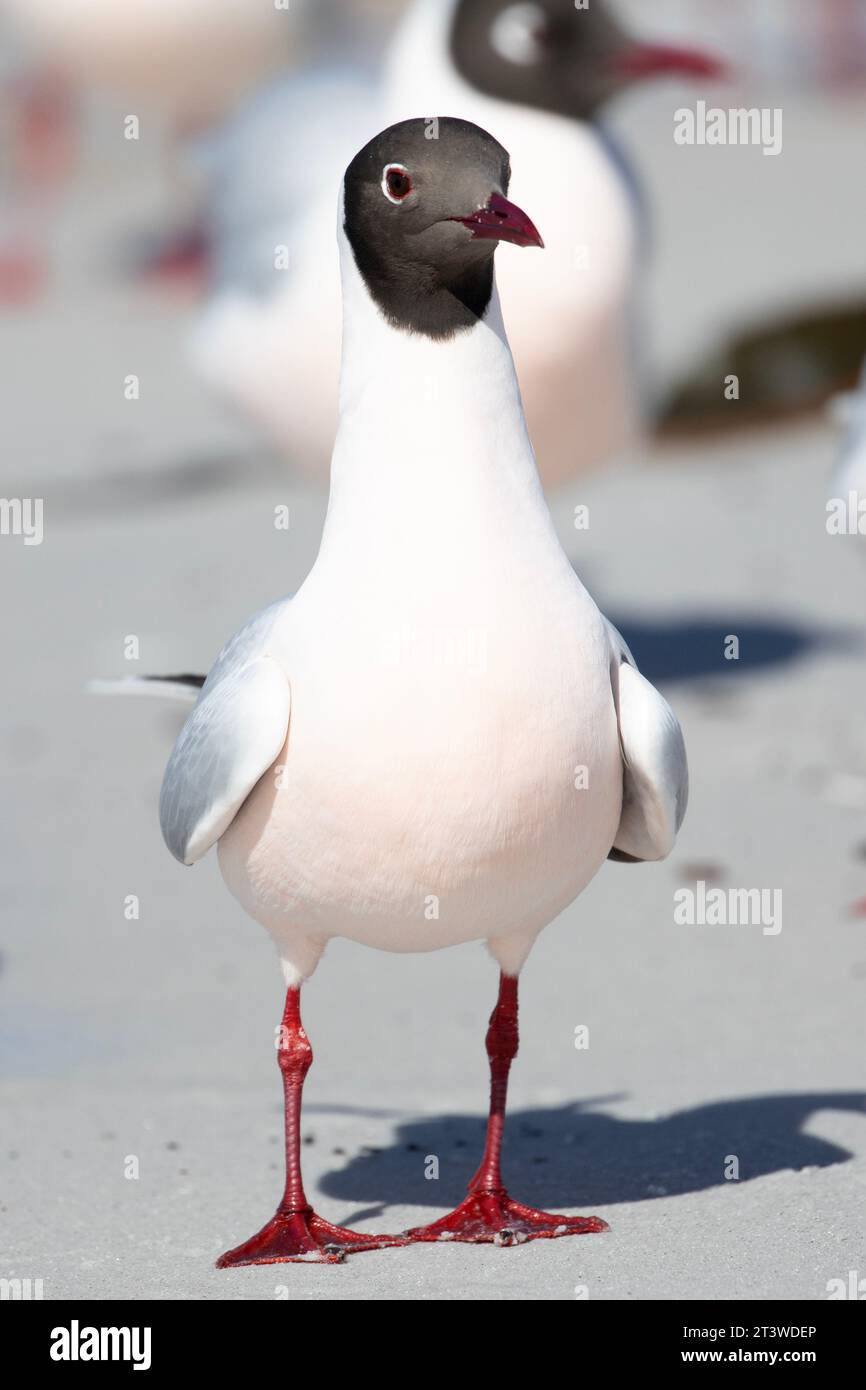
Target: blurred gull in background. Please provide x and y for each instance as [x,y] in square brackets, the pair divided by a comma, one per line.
[536,73]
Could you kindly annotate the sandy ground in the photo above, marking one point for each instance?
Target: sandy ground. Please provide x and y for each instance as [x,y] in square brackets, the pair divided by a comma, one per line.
[152,1039]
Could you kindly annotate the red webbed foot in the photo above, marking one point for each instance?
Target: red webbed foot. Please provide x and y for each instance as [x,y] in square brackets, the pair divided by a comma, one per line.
[492,1217]
[302,1237]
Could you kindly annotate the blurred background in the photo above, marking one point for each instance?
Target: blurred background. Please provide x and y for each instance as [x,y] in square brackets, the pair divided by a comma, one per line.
[153,162]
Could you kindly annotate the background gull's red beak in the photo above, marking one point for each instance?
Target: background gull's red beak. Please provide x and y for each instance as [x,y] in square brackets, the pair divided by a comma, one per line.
[502,221]
[655,59]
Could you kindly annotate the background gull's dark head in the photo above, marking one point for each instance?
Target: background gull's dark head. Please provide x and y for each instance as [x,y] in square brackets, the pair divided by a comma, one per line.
[424,209]
[551,55]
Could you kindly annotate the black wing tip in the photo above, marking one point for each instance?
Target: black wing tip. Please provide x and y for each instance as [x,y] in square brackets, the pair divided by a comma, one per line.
[619,856]
[195,682]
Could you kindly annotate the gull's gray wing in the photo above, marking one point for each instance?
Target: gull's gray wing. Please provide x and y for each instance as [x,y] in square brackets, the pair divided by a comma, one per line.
[231,738]
[655,770]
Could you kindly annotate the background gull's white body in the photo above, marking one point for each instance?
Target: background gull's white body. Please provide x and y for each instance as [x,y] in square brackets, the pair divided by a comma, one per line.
[272,349]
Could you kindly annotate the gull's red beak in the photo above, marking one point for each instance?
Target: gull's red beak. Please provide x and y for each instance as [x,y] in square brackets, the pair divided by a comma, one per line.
[500,220]
[655,60]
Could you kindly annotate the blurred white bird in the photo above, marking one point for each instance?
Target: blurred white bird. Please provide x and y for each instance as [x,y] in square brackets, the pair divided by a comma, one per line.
[537,73]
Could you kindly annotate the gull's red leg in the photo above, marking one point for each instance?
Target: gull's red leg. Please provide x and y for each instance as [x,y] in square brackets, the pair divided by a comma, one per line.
[487,1213]
[295,1233]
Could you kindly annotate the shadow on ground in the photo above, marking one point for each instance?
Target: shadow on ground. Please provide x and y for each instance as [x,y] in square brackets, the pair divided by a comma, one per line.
[687,649]
[576,1157]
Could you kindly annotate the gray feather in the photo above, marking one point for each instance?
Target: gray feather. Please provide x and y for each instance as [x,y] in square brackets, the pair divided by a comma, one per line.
[231,738]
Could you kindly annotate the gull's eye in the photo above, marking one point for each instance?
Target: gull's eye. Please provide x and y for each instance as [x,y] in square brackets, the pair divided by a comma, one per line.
[520,34]
[396,183]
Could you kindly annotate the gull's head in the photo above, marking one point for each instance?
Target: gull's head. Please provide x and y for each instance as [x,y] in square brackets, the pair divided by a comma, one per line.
[556,56]
[425,207]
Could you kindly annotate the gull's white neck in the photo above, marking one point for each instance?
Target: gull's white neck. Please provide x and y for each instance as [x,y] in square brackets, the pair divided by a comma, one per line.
[432,437]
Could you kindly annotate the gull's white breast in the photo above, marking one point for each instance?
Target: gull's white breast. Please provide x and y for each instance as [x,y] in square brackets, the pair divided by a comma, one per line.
[452,769]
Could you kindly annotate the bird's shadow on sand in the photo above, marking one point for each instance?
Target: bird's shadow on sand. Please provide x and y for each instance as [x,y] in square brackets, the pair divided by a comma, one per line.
[692,648]
[577,1157]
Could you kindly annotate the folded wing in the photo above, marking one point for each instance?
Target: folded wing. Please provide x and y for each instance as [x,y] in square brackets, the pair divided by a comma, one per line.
[655,770]
[231,738]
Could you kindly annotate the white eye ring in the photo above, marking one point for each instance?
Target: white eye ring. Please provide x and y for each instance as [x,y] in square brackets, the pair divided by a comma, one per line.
[390,169]
[514,34]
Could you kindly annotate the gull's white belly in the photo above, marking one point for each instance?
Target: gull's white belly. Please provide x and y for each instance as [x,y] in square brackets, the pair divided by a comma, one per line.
[448,790]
